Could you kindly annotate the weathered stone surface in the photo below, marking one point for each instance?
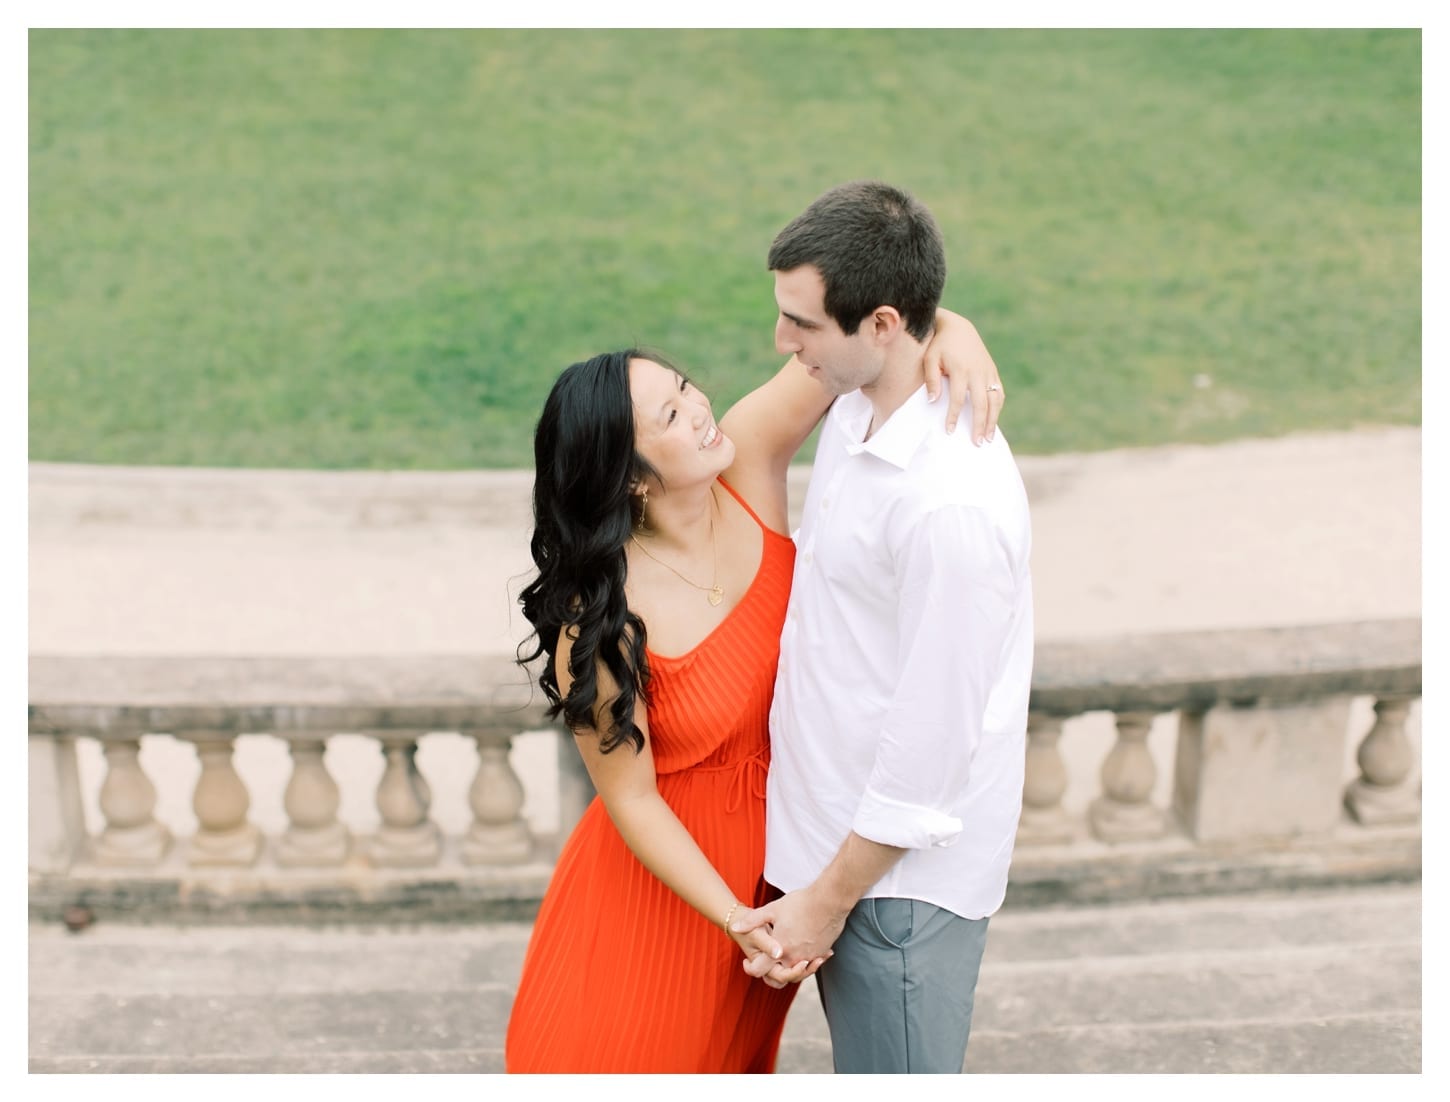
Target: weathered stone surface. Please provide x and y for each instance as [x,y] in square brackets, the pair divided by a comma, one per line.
[413,1061]
[1326,982]
[1385,1042]
[1262,771]
[191,961]
[1079,873]
[1287,984]
[1388,914]
[222,1024]
[120,696]
[79,495]
[1176,867]
[1198,669]
[57,827]
[1153,673]
[447,893]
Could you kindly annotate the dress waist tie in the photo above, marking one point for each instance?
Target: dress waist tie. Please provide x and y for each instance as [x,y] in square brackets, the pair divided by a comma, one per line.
[747,777]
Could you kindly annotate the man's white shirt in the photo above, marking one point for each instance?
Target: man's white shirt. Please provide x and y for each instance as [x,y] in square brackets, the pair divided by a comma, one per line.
[900,707]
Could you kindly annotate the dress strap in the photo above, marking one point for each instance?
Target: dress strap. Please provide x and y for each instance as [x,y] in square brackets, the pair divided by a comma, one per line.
[746,506]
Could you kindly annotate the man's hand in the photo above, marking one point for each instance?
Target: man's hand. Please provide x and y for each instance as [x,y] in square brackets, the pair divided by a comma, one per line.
[805,927]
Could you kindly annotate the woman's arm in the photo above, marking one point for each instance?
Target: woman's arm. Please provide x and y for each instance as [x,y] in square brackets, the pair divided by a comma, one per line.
[627,786]
[956,350]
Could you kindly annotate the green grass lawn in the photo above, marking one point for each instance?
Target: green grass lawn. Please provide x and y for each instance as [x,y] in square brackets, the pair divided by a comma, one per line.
[377,248]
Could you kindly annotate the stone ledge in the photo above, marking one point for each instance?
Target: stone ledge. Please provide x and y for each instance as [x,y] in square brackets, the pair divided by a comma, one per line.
[1072,875]
[1199,669]
[126,696]
[1093,872]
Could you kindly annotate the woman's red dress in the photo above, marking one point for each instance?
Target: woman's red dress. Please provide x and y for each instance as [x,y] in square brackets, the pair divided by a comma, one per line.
[621,975]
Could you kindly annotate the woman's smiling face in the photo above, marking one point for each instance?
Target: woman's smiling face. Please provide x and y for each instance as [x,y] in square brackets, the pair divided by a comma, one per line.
[675,430]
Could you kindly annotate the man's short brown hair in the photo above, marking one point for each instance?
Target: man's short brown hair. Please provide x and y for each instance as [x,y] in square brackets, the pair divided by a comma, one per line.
[874,245]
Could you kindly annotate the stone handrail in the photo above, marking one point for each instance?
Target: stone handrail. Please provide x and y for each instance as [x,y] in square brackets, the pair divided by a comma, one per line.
[1258,795]
[1200,669]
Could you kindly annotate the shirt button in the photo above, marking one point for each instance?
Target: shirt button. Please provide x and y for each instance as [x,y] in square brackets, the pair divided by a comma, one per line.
[809,556]
[825,503]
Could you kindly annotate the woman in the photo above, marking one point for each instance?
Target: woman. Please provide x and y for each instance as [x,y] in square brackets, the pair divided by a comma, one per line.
[664,571]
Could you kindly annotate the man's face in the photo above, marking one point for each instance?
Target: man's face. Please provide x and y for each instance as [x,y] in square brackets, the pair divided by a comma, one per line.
[804,329]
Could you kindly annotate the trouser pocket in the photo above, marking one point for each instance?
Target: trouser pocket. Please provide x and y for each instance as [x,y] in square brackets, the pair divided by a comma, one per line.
[892,920]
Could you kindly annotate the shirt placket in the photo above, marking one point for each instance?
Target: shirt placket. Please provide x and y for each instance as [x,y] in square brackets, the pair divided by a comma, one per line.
[822,532]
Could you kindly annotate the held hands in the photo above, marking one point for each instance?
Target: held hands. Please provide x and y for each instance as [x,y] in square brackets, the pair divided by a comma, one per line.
[776,973]
[803,927]
[763,954]
[956,350]
[755,942]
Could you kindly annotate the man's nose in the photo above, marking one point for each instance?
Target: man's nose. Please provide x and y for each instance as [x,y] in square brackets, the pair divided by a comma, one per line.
[785,342]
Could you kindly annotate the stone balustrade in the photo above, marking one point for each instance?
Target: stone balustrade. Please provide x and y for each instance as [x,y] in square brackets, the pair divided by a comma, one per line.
[1257,796]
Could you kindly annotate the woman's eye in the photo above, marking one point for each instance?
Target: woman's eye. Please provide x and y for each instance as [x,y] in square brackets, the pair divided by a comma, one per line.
[684,383]
[671,421]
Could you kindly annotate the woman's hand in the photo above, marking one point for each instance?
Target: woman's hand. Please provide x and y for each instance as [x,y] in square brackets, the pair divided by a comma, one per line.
[757,944]
[777,975]
[956,350]
[763,956]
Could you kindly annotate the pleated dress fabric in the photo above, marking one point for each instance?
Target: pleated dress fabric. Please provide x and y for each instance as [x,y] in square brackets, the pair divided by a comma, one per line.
[621,975]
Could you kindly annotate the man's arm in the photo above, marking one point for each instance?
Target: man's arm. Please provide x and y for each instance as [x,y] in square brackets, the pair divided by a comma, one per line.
[956,586]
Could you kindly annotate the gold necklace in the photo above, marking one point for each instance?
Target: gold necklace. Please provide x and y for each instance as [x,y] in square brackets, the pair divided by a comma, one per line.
[713,593]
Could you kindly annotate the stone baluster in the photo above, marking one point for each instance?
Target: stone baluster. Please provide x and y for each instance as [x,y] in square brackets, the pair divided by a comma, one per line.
[131,836]
[221,802]
[498,834]
[1385,793]
[420,782]
[1260,769]
[313,835]
[407,837]
[1122,813]
[57,819]
[1044,821]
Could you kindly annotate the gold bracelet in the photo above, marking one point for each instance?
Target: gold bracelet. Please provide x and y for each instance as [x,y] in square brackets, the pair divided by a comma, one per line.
[729,915]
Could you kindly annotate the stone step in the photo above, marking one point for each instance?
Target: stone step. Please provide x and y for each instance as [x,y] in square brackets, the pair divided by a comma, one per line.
[1385,1042]
[1329,982]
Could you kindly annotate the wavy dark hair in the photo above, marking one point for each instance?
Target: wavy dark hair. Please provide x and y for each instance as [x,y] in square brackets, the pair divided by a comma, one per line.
[585,464]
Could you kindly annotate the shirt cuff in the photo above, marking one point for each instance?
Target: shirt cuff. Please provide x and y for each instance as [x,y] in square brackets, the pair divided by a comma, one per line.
[909,826]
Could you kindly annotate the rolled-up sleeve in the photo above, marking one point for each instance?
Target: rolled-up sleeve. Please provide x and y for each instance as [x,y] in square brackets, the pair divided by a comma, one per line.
[955,589]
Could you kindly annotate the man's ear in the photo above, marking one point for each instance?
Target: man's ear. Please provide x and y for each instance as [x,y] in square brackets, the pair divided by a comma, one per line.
[885,322]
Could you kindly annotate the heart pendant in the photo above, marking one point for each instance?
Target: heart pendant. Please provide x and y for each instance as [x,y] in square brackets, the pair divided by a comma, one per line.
[716,595]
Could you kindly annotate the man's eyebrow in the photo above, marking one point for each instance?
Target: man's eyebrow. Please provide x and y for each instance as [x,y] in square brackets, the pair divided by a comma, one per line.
[802,322]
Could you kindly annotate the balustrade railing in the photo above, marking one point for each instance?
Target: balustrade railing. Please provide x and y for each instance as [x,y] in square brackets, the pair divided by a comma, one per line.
[1258,768]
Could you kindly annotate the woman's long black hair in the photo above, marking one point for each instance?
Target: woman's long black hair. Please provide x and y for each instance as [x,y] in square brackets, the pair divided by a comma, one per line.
[585,465]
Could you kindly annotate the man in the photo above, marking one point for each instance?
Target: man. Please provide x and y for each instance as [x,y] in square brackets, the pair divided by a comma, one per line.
[899,720]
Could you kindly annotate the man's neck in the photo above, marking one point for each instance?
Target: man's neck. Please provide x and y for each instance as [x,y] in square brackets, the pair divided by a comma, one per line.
[897,382]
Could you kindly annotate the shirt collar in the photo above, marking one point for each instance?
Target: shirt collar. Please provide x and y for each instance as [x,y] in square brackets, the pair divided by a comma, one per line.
[897,440]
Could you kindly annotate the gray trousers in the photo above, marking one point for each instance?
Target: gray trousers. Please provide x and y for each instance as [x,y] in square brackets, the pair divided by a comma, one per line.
[898,992]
